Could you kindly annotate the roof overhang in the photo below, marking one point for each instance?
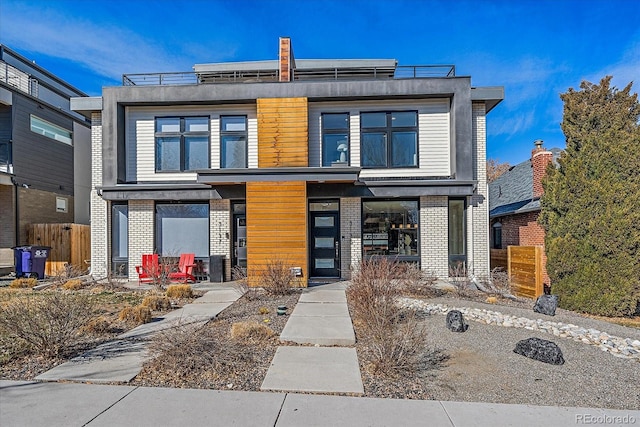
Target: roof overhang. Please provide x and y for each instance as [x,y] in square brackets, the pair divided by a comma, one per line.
[308,174]
[491,95]
[159,192]
[420,187]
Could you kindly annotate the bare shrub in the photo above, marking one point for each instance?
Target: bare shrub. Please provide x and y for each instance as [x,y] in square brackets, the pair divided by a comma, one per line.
[276,278]
[97,326]
[251,331]
[397,341]
[500,280]
[136,315]
[157,302]
[400,348]
[115,279]
[459,278]
[186,350]
[418,282]
[73,285]
[241,283]
[179,291]
[23,283]
[69,272]
[49,322]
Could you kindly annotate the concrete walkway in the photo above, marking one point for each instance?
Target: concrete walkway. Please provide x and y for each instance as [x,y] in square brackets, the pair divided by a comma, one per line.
[122,359]
[33,404]
[321,318]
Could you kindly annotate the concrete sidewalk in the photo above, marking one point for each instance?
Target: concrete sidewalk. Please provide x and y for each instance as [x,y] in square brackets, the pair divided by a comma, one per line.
[320,318]
[122,359]
[33,404]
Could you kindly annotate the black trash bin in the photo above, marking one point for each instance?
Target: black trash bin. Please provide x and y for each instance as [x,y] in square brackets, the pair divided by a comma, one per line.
[216,268]
[30,261]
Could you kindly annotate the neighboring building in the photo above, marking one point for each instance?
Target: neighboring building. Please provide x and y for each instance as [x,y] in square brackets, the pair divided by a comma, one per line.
[315,162]
[45,152]
[514,203]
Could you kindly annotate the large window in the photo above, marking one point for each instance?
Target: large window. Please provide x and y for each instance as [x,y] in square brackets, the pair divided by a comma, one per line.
[50,130]
[119,239]
[457,233]
[390,227]
[335,139]
[233,142]
[182,228]
[389,139]
[182,143]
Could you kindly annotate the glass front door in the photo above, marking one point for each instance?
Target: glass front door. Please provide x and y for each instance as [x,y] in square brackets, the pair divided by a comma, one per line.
[325,244]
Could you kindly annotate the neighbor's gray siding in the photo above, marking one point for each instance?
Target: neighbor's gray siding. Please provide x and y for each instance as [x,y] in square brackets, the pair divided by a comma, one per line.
[41,162]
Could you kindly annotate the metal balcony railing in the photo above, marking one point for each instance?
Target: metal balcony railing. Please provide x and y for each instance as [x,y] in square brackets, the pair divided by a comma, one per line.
[260,76]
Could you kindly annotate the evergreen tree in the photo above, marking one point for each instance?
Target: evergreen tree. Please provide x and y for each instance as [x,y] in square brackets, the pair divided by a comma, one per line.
[591,203]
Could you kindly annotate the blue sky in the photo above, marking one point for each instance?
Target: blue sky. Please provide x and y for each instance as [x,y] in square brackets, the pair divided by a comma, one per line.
[535,49]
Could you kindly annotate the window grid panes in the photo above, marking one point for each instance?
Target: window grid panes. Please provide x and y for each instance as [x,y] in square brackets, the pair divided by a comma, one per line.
[182,143]
[389,139]
[119,239]
[182,228]
[233,142]
[335,139]
[390,228]
[50,130]
[457,233]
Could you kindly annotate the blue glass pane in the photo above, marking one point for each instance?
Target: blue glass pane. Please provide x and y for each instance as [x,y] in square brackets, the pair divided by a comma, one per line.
[196,124]
[233,152]
[233,123]
[404,149]
[335,121]
[196,152]
[168,125]
[168,154]
[404,119]
[374,150]
[369,120]
[335,149]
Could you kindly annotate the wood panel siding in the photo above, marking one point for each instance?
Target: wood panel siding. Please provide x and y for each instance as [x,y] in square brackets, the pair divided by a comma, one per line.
[276,227]
[498,258]
[283,138]
[525,270]
[70,244]
[434,134]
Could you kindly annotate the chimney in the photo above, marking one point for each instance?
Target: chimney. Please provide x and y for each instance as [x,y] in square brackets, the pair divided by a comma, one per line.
[285,59]
[540,158]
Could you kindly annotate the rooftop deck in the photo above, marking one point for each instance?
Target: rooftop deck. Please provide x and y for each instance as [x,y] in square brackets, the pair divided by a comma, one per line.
[264,71]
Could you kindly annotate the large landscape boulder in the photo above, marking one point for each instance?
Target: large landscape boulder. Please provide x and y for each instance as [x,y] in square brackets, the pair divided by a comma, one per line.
[455,321]
[546,304]
[541,350]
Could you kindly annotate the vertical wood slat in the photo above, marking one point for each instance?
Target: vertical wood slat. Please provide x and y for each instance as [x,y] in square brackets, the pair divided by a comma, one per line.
[283,132]
[525,270]
[70,244]
[276,227]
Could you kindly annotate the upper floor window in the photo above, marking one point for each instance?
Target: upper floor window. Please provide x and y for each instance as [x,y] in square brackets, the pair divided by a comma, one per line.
[50,130]
[335,139]
[233,142]
[182,143]
[389,139]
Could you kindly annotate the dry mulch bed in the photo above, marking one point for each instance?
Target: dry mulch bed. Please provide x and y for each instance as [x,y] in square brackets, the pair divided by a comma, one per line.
[212,358]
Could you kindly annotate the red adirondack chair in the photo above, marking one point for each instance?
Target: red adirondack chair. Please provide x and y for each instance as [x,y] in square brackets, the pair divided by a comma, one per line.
[149,270]
[185,269]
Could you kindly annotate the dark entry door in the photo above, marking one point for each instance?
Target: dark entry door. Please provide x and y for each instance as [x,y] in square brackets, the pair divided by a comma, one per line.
[325,244]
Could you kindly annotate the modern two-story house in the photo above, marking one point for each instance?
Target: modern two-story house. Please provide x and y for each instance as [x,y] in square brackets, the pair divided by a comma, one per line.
[318,163]
[45,152]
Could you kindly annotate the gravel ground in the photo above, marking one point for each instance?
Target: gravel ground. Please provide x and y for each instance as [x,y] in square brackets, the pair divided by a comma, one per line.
[482,366]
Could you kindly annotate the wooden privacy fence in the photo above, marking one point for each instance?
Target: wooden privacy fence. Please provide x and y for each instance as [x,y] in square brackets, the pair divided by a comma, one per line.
[524,266]
[498,259]
[70,244]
